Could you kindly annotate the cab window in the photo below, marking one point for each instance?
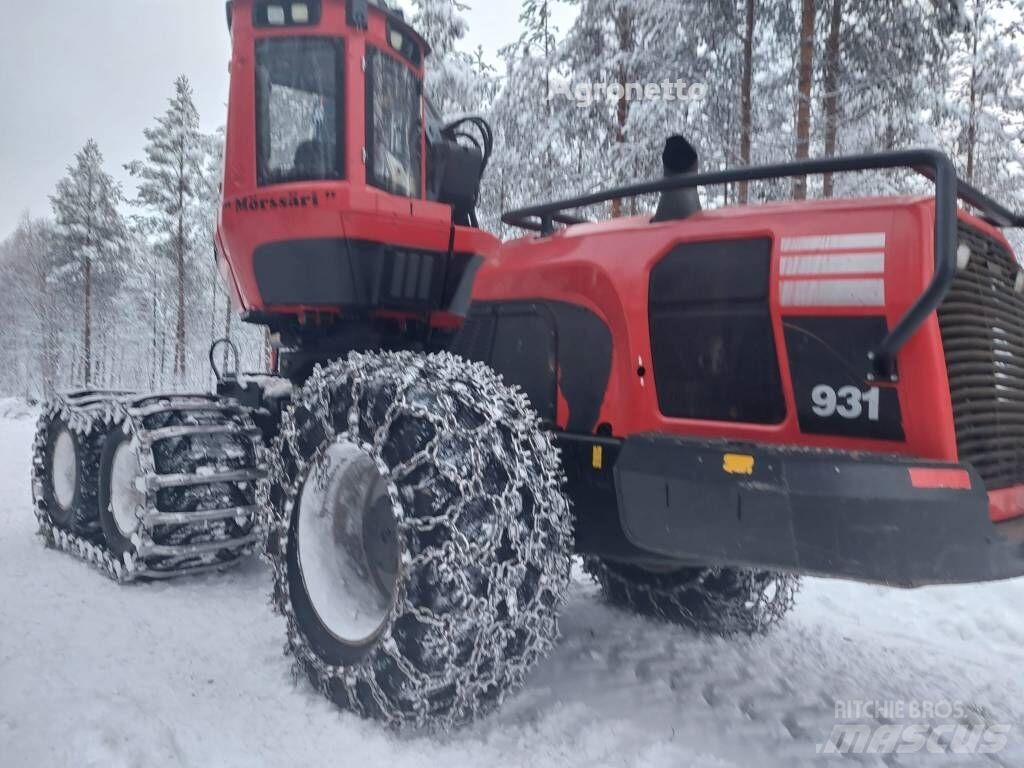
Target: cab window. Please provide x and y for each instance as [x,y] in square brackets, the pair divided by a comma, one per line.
[299,109]
[394,160]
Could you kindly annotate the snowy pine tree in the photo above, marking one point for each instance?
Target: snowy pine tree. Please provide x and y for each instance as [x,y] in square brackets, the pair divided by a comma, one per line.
[31,318]
[984,110]
[171,184]
[91,235]
[531,125]
[877,95]
[453,84]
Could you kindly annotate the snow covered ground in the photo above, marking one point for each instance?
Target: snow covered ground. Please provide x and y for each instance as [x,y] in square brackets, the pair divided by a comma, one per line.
[193,674]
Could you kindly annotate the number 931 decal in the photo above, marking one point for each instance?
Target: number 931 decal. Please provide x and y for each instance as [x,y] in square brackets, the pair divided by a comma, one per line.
[828,364]
[847,402]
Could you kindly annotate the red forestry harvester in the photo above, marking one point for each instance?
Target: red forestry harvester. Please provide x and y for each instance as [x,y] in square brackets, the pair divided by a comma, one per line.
[703,404]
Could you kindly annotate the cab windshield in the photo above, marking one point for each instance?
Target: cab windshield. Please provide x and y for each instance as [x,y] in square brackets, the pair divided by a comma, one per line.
[299,109]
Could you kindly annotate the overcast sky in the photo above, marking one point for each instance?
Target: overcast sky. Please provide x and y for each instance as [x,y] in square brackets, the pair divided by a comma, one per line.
[74,69]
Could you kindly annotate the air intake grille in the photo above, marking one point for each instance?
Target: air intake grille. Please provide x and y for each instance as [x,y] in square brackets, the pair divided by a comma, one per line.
[982,321]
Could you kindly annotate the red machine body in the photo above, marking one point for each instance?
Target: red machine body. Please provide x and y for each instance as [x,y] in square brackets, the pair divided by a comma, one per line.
[606,267]
[829,387]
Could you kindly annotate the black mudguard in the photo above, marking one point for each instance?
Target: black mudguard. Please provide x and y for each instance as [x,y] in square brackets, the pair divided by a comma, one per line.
[853,516]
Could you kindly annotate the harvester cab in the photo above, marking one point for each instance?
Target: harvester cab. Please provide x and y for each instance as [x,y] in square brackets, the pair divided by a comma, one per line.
[344,193]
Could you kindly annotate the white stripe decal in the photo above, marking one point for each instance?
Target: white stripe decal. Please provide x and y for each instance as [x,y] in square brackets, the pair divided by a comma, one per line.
[833,293]
[834,242]
[834,264]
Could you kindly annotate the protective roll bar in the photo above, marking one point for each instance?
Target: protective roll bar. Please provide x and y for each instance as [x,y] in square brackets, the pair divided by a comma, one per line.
[930,163]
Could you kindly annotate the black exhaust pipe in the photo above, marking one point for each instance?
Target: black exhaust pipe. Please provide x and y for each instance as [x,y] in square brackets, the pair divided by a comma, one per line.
[678,158]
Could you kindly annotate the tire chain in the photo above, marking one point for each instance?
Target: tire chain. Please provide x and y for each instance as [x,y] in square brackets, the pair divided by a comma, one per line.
[94,415]
[549,552]
[764,598]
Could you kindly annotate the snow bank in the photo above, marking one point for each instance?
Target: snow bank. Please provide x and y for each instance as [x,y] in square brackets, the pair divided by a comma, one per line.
[17,408]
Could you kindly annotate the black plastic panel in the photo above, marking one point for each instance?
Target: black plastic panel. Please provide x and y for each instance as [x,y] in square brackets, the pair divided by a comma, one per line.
[476,337]
[362,275]
[584,363]
[520,341]
[571,350]
[711,333]
[847,515]
[524,352]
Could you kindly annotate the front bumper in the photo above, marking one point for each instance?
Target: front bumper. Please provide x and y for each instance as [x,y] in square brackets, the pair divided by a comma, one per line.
[857,516]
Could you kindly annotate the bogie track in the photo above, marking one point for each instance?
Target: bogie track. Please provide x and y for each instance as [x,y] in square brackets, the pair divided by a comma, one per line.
[170,482]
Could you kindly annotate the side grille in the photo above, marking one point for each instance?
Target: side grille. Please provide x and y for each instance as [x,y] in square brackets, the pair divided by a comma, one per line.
[982,322]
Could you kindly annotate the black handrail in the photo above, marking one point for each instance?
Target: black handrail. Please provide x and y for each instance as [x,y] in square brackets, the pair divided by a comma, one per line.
[930,163]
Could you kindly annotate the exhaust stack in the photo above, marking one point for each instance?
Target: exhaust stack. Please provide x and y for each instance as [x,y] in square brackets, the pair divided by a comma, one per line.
[678,158]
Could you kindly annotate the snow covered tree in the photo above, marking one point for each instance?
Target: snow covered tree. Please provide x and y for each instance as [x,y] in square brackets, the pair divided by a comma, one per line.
[171,182]
[91,231]
[30,318]
[985,102]
[601,48]
[453,83]
[805,70]
[693,55]
[539,37]
[532,128]
[36,243]
[878,94]
[831,86]
[746,91]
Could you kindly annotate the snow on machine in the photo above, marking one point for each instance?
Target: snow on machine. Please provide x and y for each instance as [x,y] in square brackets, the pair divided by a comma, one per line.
[703,404]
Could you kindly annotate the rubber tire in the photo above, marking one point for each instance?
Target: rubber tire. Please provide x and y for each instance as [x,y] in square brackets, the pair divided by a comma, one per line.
[517,522]
[116,542]
[723,601]
[79,517]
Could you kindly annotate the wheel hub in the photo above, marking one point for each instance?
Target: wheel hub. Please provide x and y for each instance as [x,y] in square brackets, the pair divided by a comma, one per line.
[126,500]
[65,470]
[347,540]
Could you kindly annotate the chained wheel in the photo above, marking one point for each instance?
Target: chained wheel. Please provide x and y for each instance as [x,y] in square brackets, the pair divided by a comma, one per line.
[421,542]
[724,601]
